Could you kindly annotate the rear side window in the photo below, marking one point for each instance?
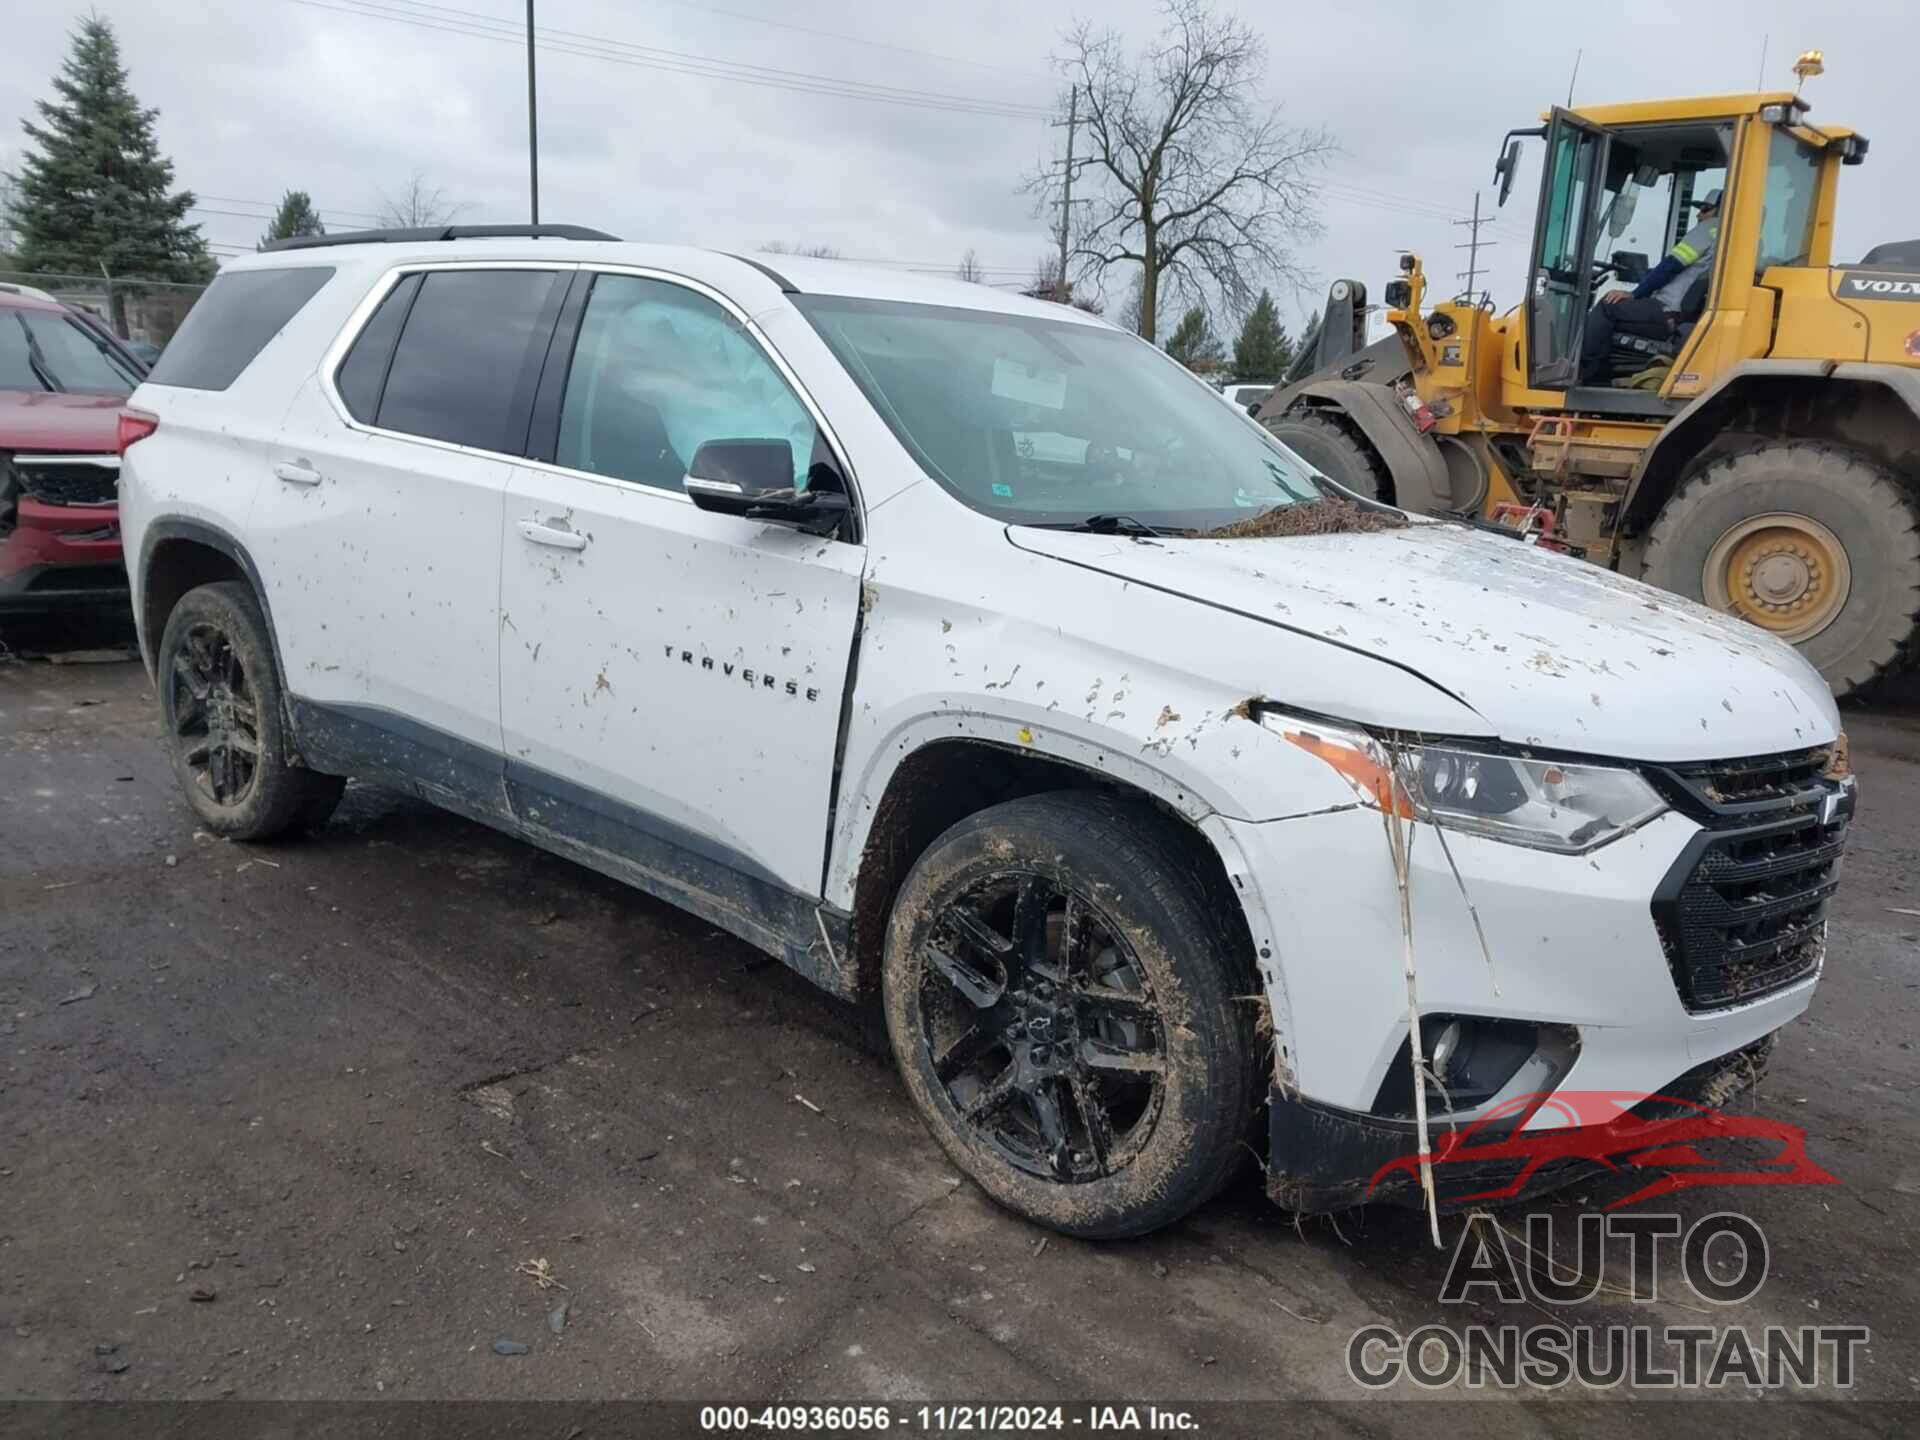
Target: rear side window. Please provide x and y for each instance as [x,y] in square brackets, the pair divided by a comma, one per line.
[232,322]
[469,356]
[363,374]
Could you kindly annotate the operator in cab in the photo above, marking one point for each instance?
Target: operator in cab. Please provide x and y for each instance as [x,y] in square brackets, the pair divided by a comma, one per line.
[1653,308]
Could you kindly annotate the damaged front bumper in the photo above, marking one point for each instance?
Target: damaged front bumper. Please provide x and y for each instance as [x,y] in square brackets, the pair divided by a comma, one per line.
[1322,1158]
[60,555]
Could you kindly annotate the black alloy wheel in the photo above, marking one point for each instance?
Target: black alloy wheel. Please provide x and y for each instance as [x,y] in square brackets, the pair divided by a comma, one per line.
[226,728]
[216,718]
[1043,1028]
[1073,1010]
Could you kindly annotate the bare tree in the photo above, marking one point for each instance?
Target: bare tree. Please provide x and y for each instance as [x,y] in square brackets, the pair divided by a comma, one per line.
[1196,180]
[1046,284]
[1134,314]
[969,268]
[816,252]
[419,206]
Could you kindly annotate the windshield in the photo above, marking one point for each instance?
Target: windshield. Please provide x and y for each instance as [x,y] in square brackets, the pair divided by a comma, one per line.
[1045,422]
[1786,220]
[42,350]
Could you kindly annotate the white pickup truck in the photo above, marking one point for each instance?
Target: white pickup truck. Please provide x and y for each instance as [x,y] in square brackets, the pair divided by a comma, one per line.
[970,656]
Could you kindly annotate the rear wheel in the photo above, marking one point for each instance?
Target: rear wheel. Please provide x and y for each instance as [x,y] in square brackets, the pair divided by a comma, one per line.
[1069,1017]
[226,732]
[1815,543]
[1333,449]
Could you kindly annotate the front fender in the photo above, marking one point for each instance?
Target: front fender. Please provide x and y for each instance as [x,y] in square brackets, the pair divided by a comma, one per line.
[1420,480]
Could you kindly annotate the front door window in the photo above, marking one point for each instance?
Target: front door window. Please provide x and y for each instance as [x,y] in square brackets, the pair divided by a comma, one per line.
[660,370]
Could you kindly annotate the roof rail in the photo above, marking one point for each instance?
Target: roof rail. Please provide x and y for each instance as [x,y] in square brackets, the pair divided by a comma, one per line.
[441,232]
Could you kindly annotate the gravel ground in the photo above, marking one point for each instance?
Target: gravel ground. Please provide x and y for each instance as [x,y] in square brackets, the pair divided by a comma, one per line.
[327,1120]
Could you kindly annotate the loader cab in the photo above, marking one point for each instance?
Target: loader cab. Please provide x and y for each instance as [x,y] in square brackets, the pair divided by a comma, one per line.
[1613,201]
[1619,187]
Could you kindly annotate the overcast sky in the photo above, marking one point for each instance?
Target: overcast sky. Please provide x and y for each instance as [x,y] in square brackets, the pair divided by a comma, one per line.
[257,96]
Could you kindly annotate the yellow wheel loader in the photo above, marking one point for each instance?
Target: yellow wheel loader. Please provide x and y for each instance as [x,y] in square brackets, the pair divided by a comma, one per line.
[1745,432]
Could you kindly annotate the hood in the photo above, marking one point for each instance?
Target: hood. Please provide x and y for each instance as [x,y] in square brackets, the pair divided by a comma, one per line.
[45,420]
[1549,650]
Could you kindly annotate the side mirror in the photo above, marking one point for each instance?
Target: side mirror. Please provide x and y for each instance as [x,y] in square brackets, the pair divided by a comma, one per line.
[1505,168]
[1621,214]
[754,480]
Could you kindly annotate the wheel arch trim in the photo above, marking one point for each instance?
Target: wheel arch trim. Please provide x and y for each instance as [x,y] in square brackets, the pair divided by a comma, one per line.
[1421,482]
[198,532]
[1109,764]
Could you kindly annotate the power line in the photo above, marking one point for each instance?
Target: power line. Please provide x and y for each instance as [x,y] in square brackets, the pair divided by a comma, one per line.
[275,205]
[858,40]
[620,52]
[481,18]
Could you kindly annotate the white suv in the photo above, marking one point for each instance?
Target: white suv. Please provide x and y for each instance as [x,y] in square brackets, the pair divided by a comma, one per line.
[965,652]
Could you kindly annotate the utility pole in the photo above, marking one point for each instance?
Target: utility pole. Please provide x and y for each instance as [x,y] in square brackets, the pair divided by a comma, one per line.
[533,126]
[1061,293]
[1473,248]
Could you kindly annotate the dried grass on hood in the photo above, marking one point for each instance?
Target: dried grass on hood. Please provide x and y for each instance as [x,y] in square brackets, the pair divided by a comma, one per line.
[1332,516]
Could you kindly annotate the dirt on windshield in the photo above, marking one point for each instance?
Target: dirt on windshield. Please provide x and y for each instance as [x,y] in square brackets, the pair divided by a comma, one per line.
[1333,516]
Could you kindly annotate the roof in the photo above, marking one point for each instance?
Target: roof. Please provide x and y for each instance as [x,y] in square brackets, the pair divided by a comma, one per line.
[12,298]
[751,280]
[1690,107]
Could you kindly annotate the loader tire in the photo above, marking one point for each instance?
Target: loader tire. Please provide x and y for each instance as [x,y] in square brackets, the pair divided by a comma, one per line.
[1333,447]
[1816,543]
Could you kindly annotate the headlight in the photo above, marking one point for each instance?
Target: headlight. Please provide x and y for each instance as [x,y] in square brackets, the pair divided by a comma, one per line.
[1547,804]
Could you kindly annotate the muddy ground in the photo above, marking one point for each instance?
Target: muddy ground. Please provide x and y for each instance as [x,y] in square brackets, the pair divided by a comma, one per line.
[296,1121]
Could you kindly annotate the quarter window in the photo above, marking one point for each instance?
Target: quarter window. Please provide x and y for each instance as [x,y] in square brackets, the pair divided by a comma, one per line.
[240,312]
[658,371]
[468,356]
[363,374]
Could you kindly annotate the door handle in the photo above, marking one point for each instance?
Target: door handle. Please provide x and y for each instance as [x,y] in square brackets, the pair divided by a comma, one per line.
[547,535]
[296,474]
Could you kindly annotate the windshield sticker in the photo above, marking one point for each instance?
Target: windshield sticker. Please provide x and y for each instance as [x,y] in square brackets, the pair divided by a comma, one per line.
[1030,384]
[1004,491]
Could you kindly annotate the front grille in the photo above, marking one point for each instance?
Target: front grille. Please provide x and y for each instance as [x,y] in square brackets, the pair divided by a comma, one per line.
[1743,912]
[70,480]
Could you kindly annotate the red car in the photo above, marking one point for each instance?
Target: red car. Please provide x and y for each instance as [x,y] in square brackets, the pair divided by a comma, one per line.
[62,383]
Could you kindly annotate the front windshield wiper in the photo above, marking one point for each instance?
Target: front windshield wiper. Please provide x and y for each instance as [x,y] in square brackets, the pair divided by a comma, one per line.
[37,359]
[1108,525]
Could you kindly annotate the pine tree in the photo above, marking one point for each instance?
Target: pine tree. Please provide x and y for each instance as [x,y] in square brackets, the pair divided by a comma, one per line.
[295,217]
[96,192]
[1193,343]
[1264,349]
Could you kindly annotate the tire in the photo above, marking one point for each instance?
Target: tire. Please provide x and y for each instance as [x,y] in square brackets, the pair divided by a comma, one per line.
[1856,615]
[1332,448]
[1101,1088]
[225,727]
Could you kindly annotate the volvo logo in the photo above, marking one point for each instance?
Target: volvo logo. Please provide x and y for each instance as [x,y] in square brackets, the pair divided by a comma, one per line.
[1866,286]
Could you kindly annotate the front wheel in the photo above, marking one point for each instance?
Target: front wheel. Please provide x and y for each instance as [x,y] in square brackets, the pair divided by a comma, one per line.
[226,733]
[1333,448]
[1069,1017]
[1815,543]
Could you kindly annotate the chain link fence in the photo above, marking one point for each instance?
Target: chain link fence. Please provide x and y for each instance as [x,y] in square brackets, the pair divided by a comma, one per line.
[134,307]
